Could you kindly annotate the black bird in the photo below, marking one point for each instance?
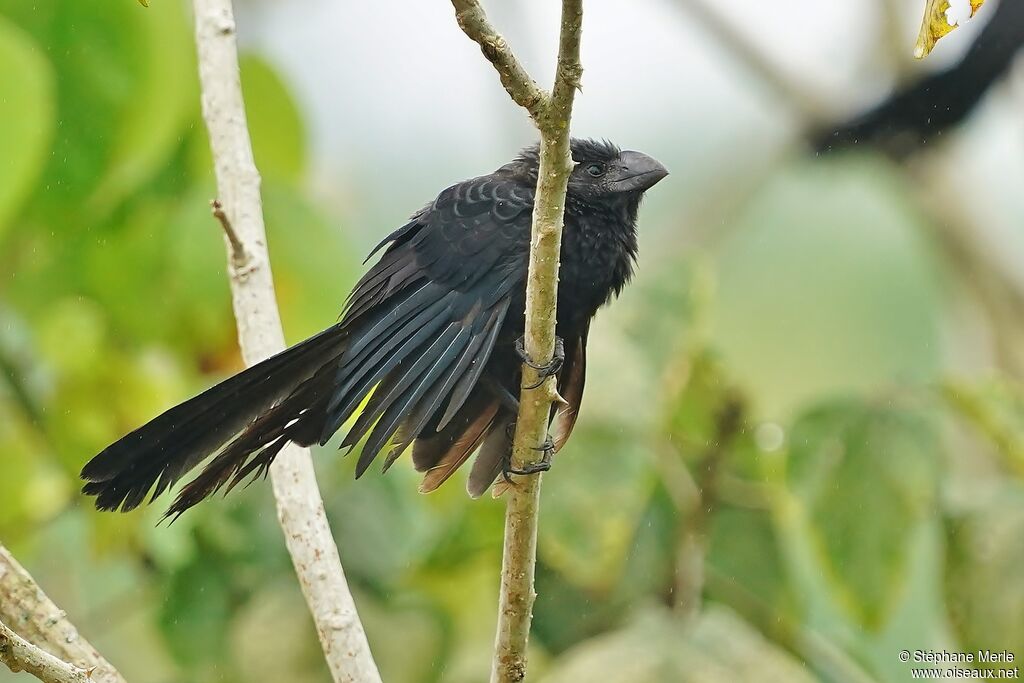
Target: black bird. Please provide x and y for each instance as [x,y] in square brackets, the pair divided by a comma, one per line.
[430,333]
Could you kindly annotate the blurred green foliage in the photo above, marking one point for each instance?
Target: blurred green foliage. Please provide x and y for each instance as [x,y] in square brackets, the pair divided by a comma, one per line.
[862,497]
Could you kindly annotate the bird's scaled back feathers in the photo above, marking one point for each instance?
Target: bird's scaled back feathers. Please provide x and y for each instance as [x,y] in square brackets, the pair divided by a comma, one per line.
[425,344]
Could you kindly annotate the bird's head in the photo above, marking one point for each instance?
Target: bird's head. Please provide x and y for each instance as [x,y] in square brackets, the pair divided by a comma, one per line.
[601,171]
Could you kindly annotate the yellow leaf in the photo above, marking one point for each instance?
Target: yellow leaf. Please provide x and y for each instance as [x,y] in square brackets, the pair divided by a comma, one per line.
[936,24]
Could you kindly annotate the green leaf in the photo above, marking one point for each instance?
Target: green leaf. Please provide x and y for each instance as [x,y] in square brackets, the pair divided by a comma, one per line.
[154,117]
[995,409]
[195,281]
[383,531]
[313,262]
[26,116]
[195,614]
[566,613]
[866,477]
[744,554]
[591,510]
[272,637]
[984,583]
[719,648]
[412,642]
[697,403]
[276,127]
[99,73]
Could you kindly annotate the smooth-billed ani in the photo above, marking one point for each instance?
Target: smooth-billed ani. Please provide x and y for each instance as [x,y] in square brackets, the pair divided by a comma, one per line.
[430,334]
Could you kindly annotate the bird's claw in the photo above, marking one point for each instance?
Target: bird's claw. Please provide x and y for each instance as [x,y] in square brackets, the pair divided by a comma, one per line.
[542,465]
[544,370]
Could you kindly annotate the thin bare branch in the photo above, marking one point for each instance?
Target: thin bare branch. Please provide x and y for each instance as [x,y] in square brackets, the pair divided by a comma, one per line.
[300,508]
[20,655]
[24,606]
[569,71]
[552,115]
[523,90]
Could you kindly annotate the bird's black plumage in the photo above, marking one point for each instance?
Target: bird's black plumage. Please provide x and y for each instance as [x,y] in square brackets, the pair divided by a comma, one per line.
[428,334]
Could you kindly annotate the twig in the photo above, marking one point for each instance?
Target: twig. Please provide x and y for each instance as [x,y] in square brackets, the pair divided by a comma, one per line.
[523,90]
[20,655]
[24,606]
[239,257]
[300,508]
[696,512]
[551,114]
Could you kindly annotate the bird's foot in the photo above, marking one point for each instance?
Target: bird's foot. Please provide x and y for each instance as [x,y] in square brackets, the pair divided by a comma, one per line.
[542,465]
[544,370]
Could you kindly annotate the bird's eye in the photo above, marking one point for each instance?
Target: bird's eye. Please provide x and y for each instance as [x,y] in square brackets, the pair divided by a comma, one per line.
[595,170]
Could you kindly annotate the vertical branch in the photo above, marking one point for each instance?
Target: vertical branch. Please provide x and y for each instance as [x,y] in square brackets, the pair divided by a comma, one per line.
[300,509]
[696,512]
[552,114]
[25,608]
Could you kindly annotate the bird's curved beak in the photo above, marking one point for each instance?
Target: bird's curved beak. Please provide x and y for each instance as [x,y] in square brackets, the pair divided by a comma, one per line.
[638,173]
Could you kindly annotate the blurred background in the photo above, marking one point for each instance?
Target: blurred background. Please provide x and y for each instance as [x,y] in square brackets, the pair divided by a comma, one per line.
[825,335]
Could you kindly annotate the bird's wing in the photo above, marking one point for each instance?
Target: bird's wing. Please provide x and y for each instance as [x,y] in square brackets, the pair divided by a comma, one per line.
[425,318]
[416,331]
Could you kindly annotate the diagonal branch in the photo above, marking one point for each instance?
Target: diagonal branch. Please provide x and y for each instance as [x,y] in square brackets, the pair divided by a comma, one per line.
[24,606]
[552,114]
[300,509]
[523,90]
[20,655]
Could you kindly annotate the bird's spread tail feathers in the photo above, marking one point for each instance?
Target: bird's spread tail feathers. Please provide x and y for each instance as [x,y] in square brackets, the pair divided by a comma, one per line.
[248,418]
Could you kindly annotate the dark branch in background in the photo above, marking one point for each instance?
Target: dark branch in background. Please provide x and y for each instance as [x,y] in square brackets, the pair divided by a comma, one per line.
[921,111]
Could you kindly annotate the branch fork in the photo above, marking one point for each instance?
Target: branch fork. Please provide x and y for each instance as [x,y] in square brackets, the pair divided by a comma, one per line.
[47,645]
